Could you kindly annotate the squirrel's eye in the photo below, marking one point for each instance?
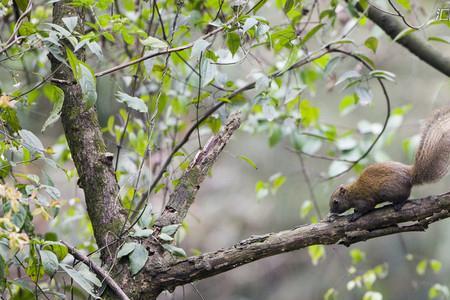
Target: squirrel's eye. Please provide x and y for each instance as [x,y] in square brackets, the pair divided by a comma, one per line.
[335,201]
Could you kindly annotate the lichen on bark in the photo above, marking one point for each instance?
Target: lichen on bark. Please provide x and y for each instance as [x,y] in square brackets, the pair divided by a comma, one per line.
[84,137]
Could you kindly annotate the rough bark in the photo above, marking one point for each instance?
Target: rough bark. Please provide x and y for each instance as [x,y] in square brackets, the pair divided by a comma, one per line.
[417,46]
[82,131]
[416,215]
[183,196]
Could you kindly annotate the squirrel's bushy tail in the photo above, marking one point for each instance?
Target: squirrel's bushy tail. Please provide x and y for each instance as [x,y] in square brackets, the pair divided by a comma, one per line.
[433,155]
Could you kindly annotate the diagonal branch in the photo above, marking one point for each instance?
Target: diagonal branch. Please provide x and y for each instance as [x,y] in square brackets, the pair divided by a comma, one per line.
[98,270]
[183,196]
[417,46]
[416,215]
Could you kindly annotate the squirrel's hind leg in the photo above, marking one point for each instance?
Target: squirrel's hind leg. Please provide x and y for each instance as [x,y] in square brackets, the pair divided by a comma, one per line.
[399,201]
[359,212]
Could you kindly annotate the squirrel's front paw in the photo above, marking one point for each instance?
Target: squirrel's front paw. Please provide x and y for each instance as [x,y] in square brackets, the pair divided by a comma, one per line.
[331,217]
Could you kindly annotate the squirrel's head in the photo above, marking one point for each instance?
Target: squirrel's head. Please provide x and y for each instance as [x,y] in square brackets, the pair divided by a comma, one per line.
[338,200]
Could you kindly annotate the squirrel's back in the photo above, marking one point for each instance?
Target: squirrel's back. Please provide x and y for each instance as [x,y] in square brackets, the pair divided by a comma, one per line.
[433,155]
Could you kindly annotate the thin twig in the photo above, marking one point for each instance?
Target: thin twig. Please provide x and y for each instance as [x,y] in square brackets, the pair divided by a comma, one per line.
[309,185]
[151,55]
[386,120]
[98,270]
[399,14]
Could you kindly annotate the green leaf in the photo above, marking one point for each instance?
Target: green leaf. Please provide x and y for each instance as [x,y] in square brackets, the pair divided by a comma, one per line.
[438,290]
[52,191]
[306,208]
[435,265]
[249,23]
[248,160]
[3,272]
[73,62]
[383,74]
[138,258]
[22,4]
[364,95]
[31,141]
[331,294]
[347,104]
[170,229]
[154,43]
[34,270]
[277,181]
[208,71]
[146,216]
[70,22]
[18,218]
[89,276]
[139,232]
[79,279]
[57,96]
[311,33]
[126,249]
[441,39]
[357,256]
[366,59]
[49,262]
[176,251]
[369,279]
[309,113]
[404,33]
[199,48]
[27,29]
[372,43]
[288,6]
[261,189]
[108,36]
[275,135]
[347,75]
[165,237]
[132,102]
[10,116]
[233,42]
[372,295]
[88,85]
[316,252]
[59,249]
[421,267]
[405,4]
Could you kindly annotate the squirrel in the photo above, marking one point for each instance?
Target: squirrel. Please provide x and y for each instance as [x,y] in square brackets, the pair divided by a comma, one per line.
[392,181]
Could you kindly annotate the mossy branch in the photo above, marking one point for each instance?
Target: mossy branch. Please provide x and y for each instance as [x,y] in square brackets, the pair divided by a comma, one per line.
[415,215]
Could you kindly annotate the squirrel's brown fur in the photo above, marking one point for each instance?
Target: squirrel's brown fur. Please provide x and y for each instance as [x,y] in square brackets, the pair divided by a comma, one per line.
[392,181]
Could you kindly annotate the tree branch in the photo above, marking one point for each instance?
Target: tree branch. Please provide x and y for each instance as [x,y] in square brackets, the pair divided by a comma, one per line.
[417,46]
[98,270]
[415,215]
[183,196]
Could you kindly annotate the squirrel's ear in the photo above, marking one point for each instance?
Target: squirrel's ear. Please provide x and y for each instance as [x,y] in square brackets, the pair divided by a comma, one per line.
[342,190]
